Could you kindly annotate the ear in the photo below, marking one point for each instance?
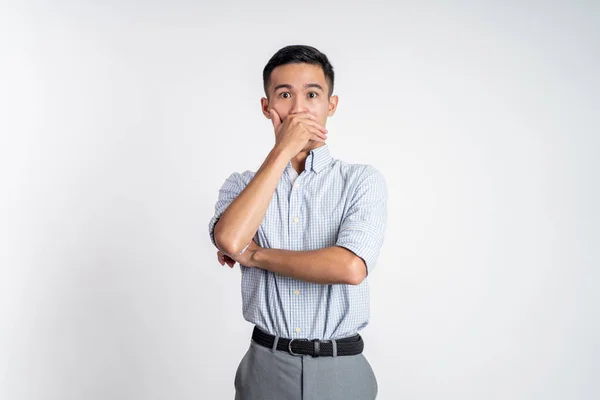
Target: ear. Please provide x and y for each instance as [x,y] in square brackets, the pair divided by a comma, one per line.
[333,103]
[264,106]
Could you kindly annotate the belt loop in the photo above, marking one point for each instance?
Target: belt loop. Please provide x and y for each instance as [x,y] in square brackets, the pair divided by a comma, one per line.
[274,349]
[334,343]
[316,347]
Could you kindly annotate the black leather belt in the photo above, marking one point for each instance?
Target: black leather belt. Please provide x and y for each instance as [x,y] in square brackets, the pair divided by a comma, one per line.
[349,346]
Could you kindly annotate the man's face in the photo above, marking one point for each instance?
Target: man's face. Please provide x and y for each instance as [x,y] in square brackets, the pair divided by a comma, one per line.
[299,87]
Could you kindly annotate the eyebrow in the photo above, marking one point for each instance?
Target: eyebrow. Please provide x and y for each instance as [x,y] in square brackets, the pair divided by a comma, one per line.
[288,86]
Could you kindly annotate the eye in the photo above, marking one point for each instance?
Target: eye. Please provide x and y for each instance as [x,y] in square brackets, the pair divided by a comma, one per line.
[313,93]
[284,95]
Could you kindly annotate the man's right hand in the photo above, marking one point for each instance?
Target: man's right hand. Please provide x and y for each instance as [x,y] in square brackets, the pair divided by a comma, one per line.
[296,130]
[242,218]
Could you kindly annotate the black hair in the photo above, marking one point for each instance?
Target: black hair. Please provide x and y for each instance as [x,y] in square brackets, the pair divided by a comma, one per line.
[298,54]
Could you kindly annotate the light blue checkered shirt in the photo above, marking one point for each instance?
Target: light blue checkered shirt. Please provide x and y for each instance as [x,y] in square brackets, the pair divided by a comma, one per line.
[331,203]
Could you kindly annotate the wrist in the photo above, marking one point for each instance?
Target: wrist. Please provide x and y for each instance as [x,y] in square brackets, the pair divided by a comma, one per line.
[257,257]
[281,154]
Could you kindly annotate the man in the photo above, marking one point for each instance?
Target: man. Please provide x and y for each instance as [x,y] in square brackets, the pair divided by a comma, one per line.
[306,230]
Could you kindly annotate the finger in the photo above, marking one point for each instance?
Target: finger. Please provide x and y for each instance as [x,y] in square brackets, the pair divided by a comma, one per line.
[230,261]
[317,138]
[275,118]
[315,124]
[304,115]
[314,130]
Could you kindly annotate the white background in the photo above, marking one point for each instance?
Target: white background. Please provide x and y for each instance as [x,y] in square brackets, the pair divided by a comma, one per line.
[119,122]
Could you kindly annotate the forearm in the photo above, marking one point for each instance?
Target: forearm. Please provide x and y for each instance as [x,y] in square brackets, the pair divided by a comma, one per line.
[331,265]
[241,219]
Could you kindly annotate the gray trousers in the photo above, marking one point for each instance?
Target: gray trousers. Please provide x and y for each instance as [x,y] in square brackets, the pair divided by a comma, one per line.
[268,374]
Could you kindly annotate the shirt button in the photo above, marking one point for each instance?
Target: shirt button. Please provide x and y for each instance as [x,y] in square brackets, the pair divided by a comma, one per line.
[296,292]
[296,219]
[298,330]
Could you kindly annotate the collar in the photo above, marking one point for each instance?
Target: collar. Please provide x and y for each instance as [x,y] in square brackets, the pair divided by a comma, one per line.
[318,158]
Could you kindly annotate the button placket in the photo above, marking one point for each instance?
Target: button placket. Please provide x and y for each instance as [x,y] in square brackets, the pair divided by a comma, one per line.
[295,234]
[294,214]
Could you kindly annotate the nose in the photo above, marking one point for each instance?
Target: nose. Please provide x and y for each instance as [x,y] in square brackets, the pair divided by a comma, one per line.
[298,105]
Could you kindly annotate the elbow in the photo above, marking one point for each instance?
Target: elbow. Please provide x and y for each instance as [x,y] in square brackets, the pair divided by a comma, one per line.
[357,271]
[225,242]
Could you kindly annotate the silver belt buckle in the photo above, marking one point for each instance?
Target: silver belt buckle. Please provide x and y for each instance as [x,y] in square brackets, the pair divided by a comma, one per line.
[290,348]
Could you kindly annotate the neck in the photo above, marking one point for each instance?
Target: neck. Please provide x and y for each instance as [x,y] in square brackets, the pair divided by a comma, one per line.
[299,160]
